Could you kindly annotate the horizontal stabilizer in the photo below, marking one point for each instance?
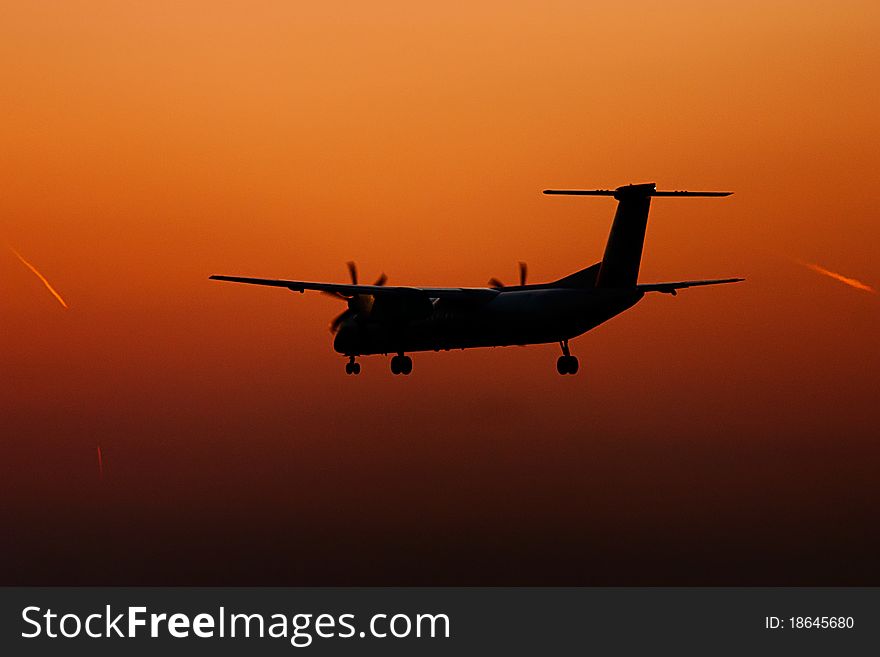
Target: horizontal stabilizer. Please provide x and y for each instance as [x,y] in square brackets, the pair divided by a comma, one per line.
[673,288]
[630,190]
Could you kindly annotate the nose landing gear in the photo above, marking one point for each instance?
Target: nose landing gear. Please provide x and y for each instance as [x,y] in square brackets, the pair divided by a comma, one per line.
[351,367]
[567,364]
[401,364]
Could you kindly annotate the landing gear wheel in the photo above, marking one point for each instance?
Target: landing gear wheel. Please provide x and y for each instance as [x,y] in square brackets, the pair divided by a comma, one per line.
[356,368]
[401,364]
[352,367]
[567,365]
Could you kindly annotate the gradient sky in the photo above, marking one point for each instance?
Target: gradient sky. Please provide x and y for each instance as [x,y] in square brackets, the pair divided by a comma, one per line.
[727,435]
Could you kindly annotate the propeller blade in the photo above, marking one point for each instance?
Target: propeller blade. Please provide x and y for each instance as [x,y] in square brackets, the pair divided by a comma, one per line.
[523,272]
[494,282]
[381,280]
[341,317]
[353,271]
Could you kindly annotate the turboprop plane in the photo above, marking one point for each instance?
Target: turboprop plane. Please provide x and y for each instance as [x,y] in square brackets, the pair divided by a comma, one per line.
[402,319]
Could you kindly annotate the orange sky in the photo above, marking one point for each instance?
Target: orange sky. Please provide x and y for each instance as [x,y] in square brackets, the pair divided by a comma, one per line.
[146,145]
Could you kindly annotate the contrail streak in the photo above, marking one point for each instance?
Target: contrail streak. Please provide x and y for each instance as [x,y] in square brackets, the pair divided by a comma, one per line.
[100,464]
[846,280]
[40,276]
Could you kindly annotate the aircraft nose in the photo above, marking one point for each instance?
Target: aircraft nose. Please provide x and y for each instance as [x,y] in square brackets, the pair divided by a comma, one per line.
[344,340]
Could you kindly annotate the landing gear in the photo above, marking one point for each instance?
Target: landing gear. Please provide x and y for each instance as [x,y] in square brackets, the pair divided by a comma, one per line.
[567,364]
[401,364]
[351,367]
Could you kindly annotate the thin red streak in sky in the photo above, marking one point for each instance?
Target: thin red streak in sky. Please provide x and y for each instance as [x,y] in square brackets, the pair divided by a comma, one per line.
[846,280]
[100,464]
[42,278]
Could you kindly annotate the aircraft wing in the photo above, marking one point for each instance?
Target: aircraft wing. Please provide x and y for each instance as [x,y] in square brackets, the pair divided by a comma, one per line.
[672,288]
[459,293]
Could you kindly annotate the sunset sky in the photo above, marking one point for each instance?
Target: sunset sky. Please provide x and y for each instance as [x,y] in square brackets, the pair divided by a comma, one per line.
[727,435]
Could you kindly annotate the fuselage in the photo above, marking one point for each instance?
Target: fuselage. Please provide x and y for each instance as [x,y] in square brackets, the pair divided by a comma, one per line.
[516,316]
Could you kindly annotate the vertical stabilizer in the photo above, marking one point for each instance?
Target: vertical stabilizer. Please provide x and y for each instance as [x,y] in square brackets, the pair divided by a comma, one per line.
[623,251]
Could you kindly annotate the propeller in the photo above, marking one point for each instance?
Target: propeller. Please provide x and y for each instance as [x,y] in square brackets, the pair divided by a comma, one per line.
[356,302]
[523,274]
[336,322]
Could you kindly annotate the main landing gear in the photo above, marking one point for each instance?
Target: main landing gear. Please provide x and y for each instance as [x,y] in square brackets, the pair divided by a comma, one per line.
[567,364]
[401,364]
[351,367]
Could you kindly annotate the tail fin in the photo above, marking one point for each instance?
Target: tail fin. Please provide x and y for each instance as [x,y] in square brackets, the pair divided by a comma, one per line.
[623,251]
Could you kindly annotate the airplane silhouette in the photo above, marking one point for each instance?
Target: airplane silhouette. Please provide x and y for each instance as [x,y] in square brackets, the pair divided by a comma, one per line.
[393,319]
